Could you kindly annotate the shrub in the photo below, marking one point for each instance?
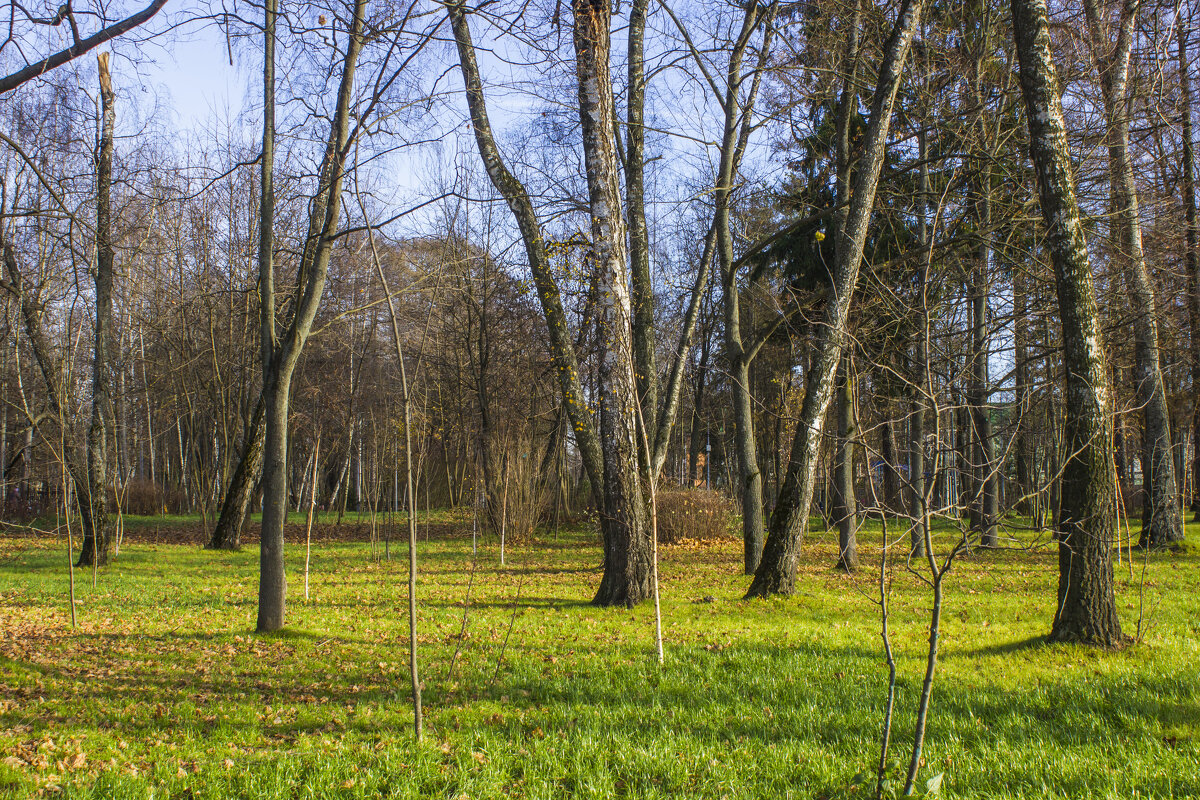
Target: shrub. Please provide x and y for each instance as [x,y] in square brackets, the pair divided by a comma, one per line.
[142,497]
[697,514]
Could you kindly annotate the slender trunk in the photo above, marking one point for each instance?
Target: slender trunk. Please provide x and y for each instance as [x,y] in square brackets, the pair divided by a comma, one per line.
[95,503]
[776,573]
[406,402]
[920,378]
[887,454]
[1164,524]
[272,579]
[1023,445]
[308,523]
[696,440]
[739,351]
[642,289]
[985,497]
[1086,608]
[1192,236]
[845,504]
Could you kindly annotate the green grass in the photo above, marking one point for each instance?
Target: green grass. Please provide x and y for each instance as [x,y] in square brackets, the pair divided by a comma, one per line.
[165,692]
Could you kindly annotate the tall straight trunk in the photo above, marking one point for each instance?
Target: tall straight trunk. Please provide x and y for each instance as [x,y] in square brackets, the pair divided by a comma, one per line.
[1086,609]
[642,287]
[696,440]
[920,372]
[985,500]
[845,504]
[227,533]
[890,458]
[776,573]
[272,579]
[1164,524]
[280,354]
[96,535]
[1023,446]
[627,541]
[1191,257]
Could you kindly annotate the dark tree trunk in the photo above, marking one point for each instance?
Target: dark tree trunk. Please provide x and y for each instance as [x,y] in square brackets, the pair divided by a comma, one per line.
[227,533]
[1192,241]
[96,531]
[888,454]
[845,504]
[1086,609]
[920,371]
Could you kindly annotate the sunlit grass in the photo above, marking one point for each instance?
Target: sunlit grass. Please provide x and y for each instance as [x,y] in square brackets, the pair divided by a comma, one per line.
[164,691]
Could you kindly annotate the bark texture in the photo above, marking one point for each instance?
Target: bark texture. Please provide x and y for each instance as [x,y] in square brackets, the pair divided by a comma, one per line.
[1191,257]
[1086,610]
[845,503]
[96,530]
[628,545]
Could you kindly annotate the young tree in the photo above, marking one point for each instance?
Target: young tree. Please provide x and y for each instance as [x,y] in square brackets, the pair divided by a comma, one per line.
[281,350]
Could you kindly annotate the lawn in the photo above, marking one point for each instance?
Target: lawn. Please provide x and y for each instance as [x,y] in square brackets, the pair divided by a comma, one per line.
[164,691]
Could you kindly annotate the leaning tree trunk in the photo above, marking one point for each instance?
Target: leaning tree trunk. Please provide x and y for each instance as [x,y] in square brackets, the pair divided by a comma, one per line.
[1086,610]
[740,347]
[627,541]
[517,198]
[776,573]
[96,527]
[227,533]
[1164,524]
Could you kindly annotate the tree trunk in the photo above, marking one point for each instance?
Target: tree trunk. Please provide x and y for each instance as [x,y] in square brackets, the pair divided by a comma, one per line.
[739,350]
[280,355]
[517,198]
[776,573]
[623,524]
[96,533]
[985,498]
[227,533]
[1164,524]
[639,239]
[1086,610]
[1191,257]
[920,372]
[845,504]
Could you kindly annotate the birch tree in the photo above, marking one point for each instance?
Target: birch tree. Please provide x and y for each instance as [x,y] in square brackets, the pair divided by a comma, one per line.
[776,574]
